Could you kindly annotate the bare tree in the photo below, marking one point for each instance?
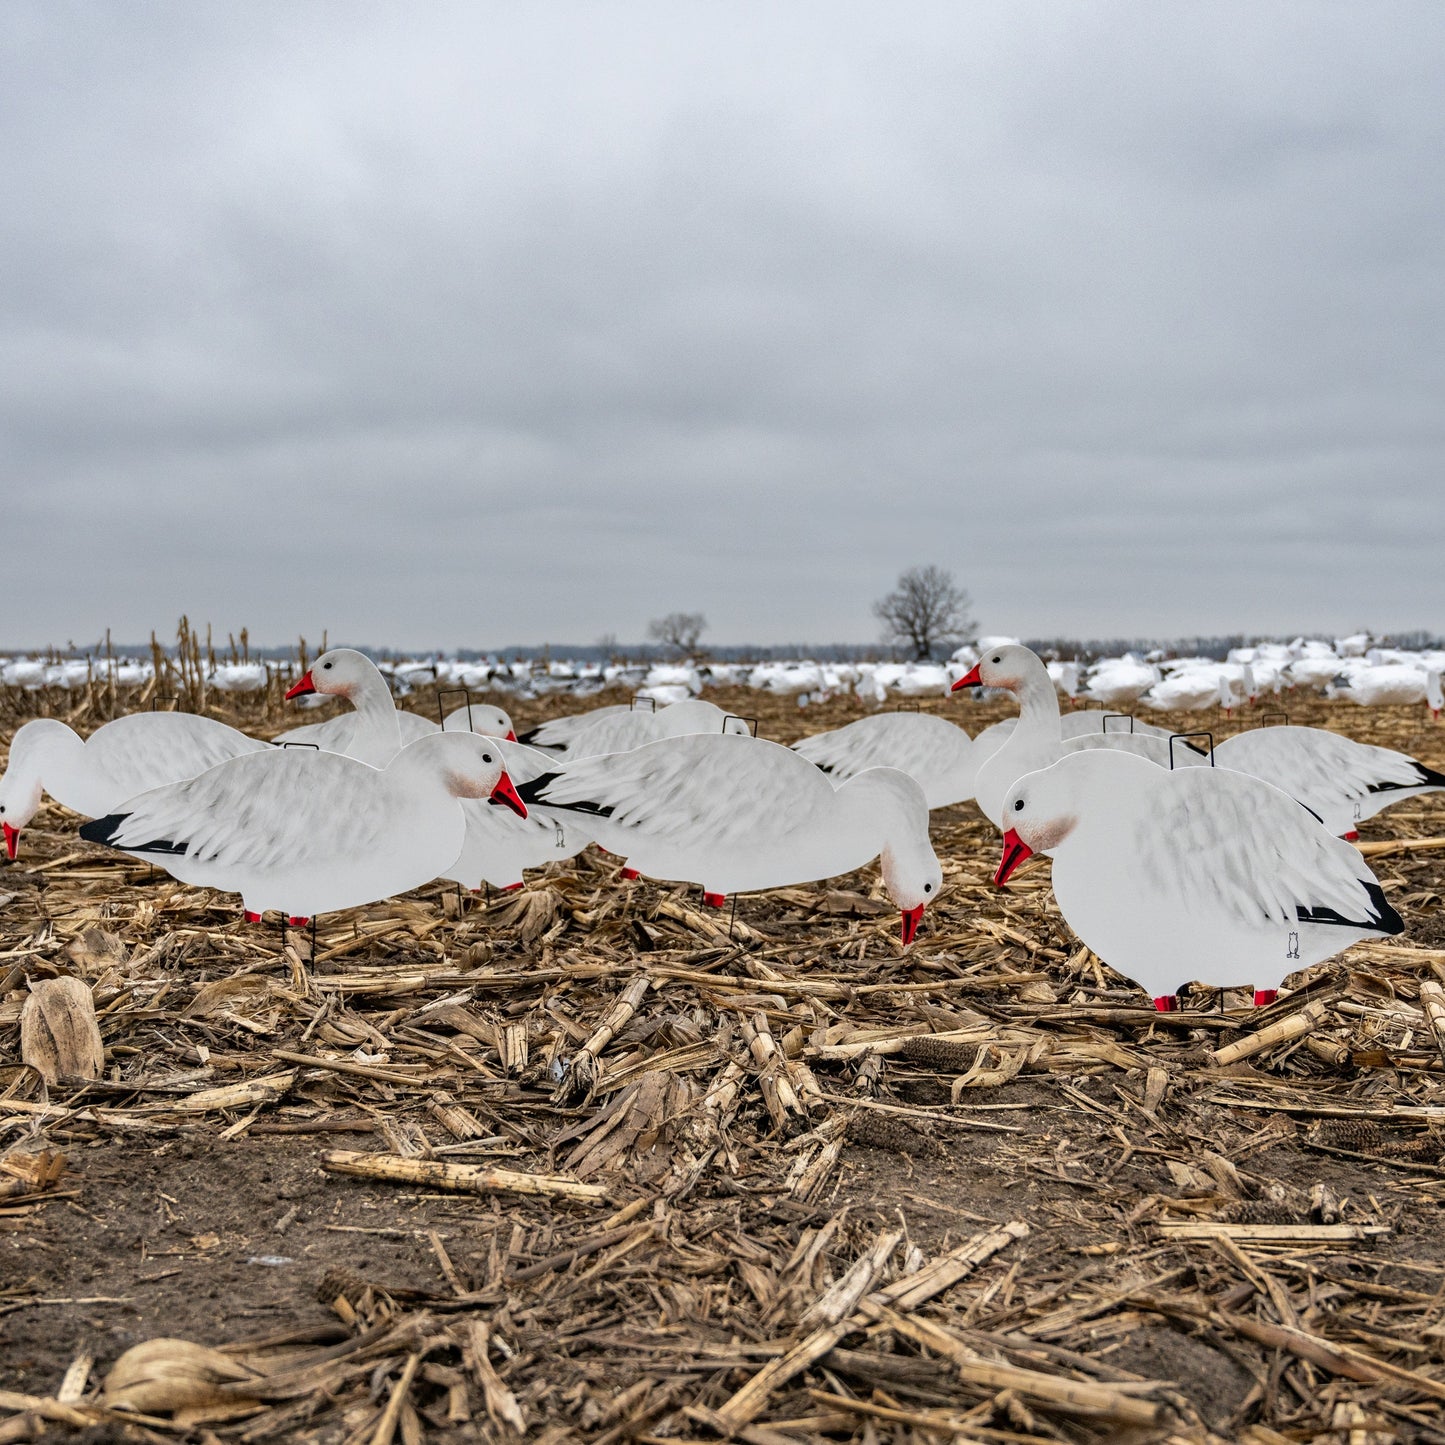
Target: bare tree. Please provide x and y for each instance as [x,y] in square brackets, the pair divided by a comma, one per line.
[926,611]
[680,631]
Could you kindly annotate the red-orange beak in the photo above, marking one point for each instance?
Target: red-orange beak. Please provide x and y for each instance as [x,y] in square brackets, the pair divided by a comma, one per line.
[969,679]
[511,736]
[1015,851]
[505,794]
[12,840]
[307,684]
[912,917]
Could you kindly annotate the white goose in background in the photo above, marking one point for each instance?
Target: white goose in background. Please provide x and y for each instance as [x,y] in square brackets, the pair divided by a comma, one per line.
[1118,682]
[375,731]
[482,718]
[735,814]
[312,832]
[1384,684]
[620,732]
[119,759]
[1339,780]
[935,753]
[1036,739]
[500,845]
[1200,873]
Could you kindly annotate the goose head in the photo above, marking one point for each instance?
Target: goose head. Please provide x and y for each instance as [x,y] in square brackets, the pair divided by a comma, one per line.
[22,786]
[1009,666]
[342,672]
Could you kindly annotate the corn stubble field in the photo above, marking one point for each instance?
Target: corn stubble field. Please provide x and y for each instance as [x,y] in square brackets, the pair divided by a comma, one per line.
[575,1164]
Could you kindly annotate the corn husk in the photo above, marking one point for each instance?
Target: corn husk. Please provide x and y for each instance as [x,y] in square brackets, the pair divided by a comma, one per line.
[59,1037]
[163,1375]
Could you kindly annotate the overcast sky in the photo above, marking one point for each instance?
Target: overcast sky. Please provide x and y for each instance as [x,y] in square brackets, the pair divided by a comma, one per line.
[486,323]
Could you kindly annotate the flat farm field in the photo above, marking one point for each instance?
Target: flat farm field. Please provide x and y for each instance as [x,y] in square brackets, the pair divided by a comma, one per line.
[578,1163]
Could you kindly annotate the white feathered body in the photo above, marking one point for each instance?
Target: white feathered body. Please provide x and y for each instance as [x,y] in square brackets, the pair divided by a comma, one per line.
[353,733]
[935,753]
[300,831]
[736,814]
[127,756]
[1036,741]
[1204,874]
[625,729]
[1345,782]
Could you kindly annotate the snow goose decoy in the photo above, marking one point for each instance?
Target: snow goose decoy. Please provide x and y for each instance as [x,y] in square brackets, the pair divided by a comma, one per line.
[1196,873]
[121,758]
[937,754]
[1339,780]
[633,728]
[482,718]
[558,734]
[735,814]
[310,832]
[375,731]
[500,845]
[1036,739]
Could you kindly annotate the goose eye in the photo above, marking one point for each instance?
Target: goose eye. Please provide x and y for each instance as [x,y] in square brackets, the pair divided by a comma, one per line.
[1018,805]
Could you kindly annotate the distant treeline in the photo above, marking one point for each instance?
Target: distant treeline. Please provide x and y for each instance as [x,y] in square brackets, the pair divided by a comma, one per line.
[1085,649]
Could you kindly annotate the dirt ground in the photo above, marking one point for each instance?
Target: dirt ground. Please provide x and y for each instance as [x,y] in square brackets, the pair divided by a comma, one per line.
[632,1179]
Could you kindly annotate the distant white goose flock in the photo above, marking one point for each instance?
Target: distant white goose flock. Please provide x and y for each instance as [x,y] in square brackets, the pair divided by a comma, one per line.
[735,814]
[1199,873]
[121,758]
[310,832]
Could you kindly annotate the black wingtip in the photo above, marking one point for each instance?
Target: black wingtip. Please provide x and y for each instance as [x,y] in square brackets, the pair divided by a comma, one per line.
[1431,777]
[531,795]
[105,830]
[102,830]
[529,739]
[529,791]
[1385,918]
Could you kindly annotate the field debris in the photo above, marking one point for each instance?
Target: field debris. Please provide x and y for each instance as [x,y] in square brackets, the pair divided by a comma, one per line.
[583,1163]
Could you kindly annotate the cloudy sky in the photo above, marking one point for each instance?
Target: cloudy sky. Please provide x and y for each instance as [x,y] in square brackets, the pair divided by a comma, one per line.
[486,323]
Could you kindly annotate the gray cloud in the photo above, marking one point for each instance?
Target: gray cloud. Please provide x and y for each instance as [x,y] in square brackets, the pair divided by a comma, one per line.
[477,324]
